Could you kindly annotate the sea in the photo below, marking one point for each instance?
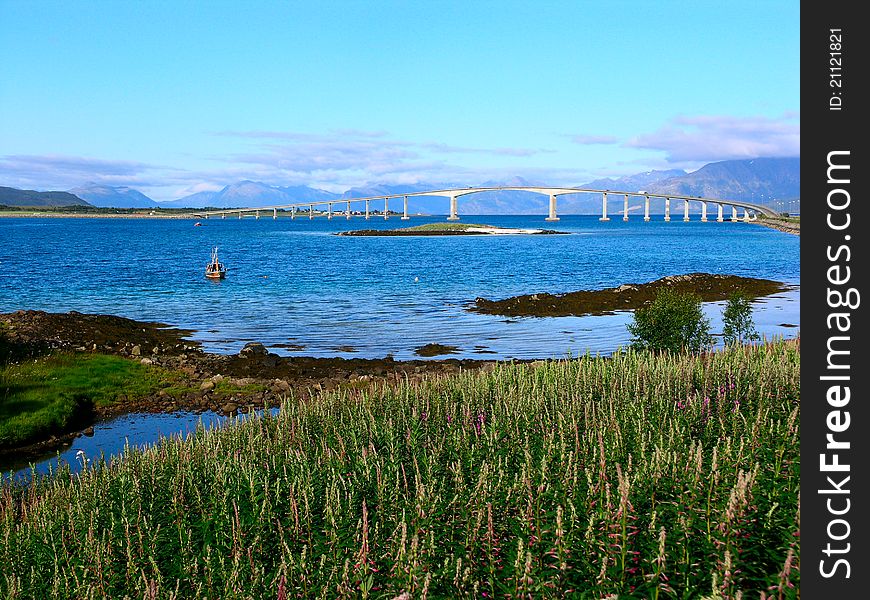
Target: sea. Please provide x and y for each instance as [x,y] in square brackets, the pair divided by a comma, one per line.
[300,289]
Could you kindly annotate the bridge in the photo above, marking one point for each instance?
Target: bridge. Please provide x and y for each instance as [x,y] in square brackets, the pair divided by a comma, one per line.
[750,210]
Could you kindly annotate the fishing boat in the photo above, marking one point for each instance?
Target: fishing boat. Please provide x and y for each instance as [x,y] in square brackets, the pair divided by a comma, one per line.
[215,269]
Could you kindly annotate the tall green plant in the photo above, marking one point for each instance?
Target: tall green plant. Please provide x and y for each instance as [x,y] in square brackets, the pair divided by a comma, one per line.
[672,322]
[737,319]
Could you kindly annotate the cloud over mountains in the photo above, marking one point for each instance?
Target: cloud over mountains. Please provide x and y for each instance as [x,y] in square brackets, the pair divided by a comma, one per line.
[710,138]
[337,160]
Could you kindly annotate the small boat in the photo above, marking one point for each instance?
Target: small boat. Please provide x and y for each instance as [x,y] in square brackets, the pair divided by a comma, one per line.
[215,269]
[197,224]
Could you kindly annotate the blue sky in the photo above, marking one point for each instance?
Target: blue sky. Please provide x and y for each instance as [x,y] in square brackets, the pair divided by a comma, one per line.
[177,97]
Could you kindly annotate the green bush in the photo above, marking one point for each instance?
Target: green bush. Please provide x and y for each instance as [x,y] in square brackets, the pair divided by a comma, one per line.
[737,318]
[672,322]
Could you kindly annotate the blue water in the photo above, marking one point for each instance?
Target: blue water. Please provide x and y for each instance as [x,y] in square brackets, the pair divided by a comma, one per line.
[112,437]
[291,282]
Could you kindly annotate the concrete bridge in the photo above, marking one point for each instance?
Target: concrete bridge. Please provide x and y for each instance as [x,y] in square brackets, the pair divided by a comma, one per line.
[750,211]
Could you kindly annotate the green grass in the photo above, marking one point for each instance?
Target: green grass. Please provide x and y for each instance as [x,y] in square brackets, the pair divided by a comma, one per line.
[52,395]
[447,227]
[670,476]
[790,219]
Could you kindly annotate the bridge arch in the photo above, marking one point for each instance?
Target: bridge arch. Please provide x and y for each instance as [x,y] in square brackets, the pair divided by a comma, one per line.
[750,210]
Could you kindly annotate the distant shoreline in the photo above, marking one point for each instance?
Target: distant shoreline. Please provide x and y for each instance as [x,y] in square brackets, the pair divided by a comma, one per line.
[58,215]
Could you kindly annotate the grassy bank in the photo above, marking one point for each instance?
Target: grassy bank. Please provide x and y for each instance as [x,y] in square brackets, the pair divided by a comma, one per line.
[55,394]
[644,476]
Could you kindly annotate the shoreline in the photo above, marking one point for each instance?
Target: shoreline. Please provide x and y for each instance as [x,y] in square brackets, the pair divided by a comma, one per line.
[51,215]
[792,227]
[226,384]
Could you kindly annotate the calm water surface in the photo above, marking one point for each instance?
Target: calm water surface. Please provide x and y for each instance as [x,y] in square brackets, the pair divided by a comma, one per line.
[295,283]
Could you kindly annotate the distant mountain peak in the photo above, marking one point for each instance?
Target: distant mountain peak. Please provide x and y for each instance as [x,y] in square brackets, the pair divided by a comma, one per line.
[102,195]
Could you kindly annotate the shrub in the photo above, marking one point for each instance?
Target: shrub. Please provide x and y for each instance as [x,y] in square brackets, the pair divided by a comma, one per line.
[737,318]
[672,322]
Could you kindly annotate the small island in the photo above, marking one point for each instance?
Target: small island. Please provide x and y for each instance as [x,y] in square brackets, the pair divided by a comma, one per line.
[450,229]
[709,287]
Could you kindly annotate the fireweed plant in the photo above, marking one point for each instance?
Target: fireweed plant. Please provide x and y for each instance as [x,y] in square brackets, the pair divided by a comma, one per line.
[641,475]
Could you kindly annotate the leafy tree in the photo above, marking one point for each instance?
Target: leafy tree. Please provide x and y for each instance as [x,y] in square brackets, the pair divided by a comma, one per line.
[672,322]
[737,318]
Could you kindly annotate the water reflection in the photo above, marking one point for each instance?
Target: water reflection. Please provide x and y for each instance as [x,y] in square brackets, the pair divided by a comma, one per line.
[111,437]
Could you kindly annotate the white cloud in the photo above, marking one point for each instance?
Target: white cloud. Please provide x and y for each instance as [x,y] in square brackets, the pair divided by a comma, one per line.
[721,137]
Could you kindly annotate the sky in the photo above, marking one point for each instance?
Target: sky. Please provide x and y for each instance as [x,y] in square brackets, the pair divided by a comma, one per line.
[176,97]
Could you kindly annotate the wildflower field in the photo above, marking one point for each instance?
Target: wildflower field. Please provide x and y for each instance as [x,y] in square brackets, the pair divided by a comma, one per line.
[639,475]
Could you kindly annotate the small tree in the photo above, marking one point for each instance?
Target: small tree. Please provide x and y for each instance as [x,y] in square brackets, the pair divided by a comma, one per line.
[737,318]
[672,322]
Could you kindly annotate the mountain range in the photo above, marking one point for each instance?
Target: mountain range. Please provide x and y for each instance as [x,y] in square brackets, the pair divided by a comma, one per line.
[759,180]
[250,193]
[115,197]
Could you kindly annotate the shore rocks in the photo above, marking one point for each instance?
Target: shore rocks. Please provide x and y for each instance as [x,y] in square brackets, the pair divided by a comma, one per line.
[253,349]
[435,350]
[783,225]
[254,377]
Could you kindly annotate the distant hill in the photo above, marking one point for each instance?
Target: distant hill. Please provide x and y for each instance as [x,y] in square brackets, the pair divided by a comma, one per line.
[250,193]
[759,180]
[15,197]
[114,197]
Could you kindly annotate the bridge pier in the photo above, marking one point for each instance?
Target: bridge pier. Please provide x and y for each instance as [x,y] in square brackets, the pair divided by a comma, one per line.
[604,207]
[745,216]
[367,210]
[240,214]
[703,212]
[454,212]
[310,211]
[719,218]
[329,211]
[667,209]
[223,215]
[405,216]
[257,214]
[274,214]
[292,212]
[386,208]
[347,211]
[206,216]
[734,214]
[552,213]
[646,208]
[685,210]
[625,208]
